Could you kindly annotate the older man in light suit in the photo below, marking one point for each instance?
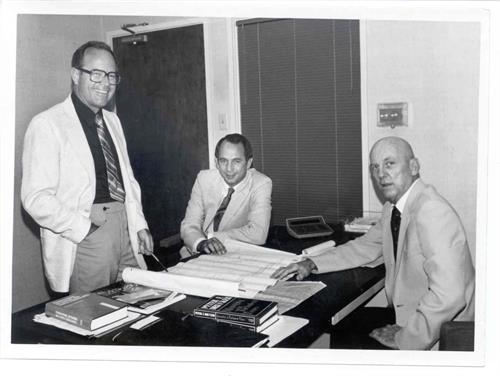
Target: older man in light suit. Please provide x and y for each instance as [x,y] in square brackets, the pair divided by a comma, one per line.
[230,202]
[429,272]
[78,184]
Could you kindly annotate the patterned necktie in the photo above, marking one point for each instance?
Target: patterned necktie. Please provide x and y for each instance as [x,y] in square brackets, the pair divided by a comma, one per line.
[115,186]
[222,208]
[395,222]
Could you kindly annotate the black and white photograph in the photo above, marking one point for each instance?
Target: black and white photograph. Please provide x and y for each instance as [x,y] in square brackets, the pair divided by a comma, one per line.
[236,187]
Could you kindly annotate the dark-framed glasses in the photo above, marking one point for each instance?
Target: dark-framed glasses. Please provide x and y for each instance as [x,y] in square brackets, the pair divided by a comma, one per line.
[97,75]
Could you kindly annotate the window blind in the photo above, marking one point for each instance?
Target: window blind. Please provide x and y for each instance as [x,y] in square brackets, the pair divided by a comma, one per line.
[300,109]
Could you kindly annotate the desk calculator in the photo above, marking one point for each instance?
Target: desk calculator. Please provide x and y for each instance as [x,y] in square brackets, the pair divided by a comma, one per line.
[308,227]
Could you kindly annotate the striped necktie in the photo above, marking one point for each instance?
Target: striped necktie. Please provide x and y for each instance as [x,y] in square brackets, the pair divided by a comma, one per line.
[115,185]
[395,222]
[222,208]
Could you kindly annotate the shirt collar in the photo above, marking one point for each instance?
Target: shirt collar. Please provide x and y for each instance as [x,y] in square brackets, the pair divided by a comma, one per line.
[84,113]
[402,201]
[238,186]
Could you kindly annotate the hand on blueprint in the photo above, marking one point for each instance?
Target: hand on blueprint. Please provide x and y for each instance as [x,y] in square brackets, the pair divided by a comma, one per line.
[211,246]
[385,335]
[301,270]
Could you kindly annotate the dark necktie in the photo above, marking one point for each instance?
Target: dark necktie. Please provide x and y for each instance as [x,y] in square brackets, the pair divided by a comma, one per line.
[222,209]
[395,222]
[116,190]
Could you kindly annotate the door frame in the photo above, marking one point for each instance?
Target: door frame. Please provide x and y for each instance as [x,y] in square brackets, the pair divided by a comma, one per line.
[209,79]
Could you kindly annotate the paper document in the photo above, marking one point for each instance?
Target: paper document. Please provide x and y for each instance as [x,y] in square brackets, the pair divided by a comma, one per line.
[289,294]
[361,225]
[244,271]
[145,322]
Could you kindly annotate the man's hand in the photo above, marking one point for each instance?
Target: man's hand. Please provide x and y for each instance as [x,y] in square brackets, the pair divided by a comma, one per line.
[211,246]
[302,269]
[145,242]
[386,335]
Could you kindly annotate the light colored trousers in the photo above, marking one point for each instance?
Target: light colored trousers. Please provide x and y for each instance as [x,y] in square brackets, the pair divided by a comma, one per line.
[103,255]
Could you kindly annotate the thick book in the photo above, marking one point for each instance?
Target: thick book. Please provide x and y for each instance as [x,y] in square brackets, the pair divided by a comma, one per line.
[237,310]
[266,324]
[88,311]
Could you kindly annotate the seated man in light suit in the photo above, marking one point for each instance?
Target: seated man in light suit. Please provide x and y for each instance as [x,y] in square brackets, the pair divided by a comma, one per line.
[231,202]
[429,272]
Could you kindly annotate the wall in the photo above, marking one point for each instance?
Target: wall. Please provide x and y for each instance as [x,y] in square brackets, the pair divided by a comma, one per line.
[434,66]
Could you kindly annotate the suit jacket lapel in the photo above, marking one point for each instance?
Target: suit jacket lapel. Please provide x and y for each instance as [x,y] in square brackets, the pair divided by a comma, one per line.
[405,220]
[75,135]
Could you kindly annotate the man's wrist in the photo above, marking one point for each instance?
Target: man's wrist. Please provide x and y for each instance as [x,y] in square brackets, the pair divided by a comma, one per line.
[310,265]
[201,245]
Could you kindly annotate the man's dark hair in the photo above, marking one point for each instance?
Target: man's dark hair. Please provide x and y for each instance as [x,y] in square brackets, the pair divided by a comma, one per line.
[79,54]
[235,138]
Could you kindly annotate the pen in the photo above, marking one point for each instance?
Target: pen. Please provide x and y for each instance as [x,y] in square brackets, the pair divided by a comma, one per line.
[159,262]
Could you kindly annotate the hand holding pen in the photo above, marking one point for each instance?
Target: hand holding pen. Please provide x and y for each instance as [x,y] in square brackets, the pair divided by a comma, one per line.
[159,262]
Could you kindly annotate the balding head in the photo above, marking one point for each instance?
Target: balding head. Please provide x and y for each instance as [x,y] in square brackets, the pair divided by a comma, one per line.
[393,166]
[400,145]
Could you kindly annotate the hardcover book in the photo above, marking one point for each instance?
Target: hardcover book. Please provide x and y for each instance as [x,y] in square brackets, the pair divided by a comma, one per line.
[237,310]
[266,324]
[88,311]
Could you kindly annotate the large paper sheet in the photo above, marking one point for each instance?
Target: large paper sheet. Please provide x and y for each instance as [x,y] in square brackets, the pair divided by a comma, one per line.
[248,265]
[244,271]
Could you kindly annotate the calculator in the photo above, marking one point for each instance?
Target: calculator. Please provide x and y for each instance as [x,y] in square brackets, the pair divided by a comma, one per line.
[308,227]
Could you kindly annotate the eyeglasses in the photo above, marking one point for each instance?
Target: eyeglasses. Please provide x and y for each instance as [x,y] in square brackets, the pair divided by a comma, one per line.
[97,75]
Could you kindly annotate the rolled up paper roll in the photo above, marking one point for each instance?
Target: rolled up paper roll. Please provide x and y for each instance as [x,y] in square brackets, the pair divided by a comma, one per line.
[319,248]
[181,283]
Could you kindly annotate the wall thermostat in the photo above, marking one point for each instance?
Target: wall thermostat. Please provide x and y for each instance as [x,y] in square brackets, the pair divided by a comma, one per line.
[392,114]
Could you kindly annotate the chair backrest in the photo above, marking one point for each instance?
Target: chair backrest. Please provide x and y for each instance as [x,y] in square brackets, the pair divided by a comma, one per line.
[457,336]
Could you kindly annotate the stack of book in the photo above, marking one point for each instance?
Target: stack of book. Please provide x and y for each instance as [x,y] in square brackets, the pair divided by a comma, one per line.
[97,313]
[87,311]
[252,314]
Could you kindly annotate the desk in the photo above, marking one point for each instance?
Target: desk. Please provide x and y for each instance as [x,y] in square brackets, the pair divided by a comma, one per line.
[342,288]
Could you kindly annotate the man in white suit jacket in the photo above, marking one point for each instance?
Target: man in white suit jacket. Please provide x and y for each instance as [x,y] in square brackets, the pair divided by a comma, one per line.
[87,236]
[430,278]
[248,213]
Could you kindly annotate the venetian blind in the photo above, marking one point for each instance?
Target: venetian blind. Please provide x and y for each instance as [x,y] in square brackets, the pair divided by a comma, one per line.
[300,108]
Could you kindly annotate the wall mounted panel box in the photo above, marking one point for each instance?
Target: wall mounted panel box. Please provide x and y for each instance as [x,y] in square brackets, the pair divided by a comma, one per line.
[308,227]
[392,114]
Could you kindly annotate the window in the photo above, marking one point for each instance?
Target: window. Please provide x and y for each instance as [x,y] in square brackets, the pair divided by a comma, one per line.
[300,108]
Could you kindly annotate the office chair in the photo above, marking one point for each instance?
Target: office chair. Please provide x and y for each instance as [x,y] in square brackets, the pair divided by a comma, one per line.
[457,336]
